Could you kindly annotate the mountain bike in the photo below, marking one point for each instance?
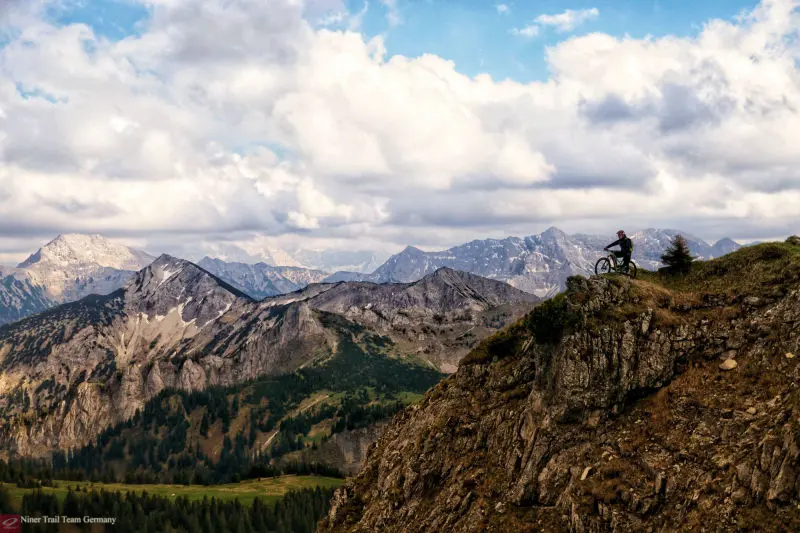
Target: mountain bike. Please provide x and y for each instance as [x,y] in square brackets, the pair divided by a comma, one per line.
[606,265]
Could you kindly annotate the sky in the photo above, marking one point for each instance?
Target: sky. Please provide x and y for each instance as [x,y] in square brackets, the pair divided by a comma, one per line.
[187,126]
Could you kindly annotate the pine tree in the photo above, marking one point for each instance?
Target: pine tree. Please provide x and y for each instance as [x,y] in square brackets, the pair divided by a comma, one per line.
[5,501]
[204,426]
[677,257]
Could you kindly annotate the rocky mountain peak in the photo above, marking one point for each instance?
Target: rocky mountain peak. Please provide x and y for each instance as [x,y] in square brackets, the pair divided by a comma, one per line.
[411,250]
[74,265]
[451,277]
[262,280]
[725,246]
[170,284]
[71,249]
[554,233]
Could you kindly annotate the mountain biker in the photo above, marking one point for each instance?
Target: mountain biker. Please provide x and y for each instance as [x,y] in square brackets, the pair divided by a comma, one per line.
[626,248]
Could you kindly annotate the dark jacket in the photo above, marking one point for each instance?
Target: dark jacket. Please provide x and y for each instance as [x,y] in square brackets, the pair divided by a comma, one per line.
[625,243]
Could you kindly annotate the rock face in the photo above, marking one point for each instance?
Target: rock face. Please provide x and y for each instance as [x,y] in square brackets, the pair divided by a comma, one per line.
[604,410]
[440,315]
[72,266]
[69,372]
[262,280]
[539,264]
[345,451]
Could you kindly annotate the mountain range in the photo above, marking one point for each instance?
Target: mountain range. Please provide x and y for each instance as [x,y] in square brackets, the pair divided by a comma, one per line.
[262,280]
[86,365]
[73,266]
[539,264]
[330,260]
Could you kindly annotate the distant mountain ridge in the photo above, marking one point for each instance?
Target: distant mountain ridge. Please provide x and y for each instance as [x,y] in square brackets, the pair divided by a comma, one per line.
[262,280]
[539,264]
[73,265]
[339,260]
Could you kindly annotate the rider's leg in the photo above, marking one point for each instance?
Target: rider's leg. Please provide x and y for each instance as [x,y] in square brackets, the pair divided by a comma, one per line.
[618,255]
[626,260]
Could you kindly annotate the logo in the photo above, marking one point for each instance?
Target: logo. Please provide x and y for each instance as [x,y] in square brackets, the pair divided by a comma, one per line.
[9,523]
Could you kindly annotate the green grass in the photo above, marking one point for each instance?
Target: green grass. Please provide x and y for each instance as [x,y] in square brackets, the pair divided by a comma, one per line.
[270,490]
[409,397]
[754,270]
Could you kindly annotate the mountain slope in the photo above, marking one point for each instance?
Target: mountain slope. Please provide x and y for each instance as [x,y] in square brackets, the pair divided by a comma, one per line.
[439,316]
[20,298]
[538,264]
[72,266]
[79,365]
[262,280]
[606,409]
[86,365]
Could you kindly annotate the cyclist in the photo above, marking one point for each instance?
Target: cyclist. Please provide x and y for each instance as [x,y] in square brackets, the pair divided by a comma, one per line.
[626,248]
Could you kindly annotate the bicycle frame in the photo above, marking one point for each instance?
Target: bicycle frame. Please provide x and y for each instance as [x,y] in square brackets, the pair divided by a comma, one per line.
[615,266]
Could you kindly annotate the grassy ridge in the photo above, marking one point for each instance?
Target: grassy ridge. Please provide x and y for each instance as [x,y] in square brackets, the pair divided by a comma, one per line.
[767,269]
[269,490]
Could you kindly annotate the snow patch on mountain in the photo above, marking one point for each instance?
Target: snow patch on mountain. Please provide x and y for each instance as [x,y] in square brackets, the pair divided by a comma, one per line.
[166,274]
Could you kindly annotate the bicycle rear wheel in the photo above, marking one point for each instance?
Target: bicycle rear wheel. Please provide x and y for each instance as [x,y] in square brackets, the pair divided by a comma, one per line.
[603,266]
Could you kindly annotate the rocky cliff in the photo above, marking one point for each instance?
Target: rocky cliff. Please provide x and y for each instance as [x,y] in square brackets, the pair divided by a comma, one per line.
[345,451]
[661,404]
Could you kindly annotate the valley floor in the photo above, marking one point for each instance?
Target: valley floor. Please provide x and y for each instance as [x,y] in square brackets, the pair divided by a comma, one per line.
[269,490]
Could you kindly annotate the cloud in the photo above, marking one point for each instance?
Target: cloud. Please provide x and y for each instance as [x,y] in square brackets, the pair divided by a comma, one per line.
[392,13]
[503,9]
[239,121]
[569,19]
[333,19]
[531,30]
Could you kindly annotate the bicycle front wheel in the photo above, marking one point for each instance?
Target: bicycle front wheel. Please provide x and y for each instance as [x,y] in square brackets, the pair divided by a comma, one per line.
[603,266]
[632,270]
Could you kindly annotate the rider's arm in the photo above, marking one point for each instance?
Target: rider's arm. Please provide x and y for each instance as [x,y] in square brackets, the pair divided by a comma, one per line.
[613,244]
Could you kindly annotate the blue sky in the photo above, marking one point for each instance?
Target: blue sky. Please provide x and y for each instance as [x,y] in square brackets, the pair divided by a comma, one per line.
[473,33]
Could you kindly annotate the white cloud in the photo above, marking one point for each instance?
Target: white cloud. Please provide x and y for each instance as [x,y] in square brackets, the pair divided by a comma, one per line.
[333,19]
[531,30]
[569,19]
[392,13]
[238,120]
[503,9]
